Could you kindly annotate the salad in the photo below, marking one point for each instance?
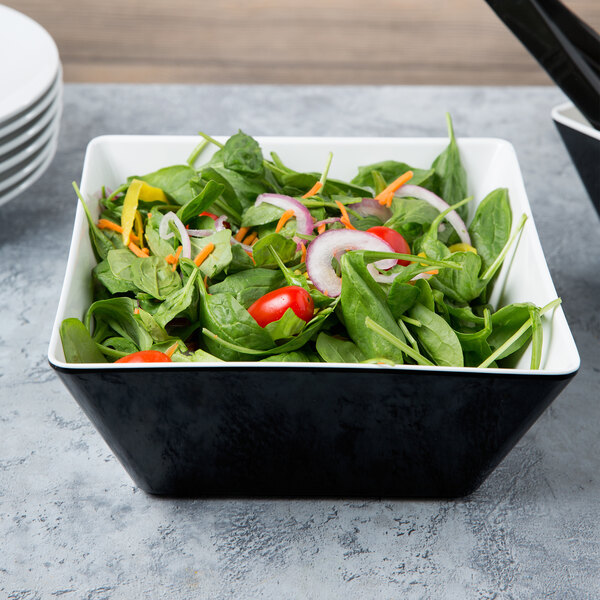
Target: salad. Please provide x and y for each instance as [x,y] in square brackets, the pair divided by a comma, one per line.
[246,259]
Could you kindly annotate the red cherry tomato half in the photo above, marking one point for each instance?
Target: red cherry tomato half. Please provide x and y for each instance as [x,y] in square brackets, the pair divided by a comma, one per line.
[273,305]
[145,356]
[394,239]
[208,214]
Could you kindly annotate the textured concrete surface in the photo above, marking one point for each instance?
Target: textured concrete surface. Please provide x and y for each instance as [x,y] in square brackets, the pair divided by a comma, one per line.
[73,526]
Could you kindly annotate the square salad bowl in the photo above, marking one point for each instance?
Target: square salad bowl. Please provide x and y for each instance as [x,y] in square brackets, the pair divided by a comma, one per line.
[316,429]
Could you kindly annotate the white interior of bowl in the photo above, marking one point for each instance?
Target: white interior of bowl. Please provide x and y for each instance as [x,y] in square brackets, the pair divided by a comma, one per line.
[568,115]
[490,163]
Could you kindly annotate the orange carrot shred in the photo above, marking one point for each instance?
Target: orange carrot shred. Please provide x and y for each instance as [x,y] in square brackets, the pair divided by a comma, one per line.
[250,255]
[176,257]
[239,236]
[106,224]
[136,311]
[250,238]
[171,349]
[285,217]
[206,281]
[170,259]
[303,253]
[203,254]
[321,228]
[137,250]
[313,190]
[386,195]
[345,218]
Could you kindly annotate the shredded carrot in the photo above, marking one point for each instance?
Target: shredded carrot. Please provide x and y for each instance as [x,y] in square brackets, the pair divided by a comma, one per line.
[174,259]
[137,250]
[285,217]
[171,349]
[303,253]
[136,311]
[106,224]
[239,236]
[250,255]
[250,238]
[146,251]
[313,190]
[345,218]
[386,195]
[206,281]
[321,228]
[203,254]
[170,259]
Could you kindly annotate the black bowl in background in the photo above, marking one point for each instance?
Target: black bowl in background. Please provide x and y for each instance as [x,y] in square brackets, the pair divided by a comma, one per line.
[583,144]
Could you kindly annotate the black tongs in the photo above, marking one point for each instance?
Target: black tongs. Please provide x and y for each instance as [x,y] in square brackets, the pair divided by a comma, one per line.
[566,47]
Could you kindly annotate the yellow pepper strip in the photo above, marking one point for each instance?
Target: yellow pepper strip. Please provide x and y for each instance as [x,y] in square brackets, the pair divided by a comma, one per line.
[150,193]
[139,228]
[462,248]
[130,208]
[433,271]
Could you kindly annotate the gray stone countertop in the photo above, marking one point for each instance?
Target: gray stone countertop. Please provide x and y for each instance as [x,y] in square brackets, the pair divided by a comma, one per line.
[73,525]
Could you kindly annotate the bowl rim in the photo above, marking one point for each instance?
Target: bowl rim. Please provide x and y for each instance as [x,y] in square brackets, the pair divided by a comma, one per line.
[559,116]
[62,366]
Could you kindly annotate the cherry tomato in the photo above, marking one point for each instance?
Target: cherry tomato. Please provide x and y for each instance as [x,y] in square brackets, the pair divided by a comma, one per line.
[145,356]
[208,214]
[394,239]
[271,306]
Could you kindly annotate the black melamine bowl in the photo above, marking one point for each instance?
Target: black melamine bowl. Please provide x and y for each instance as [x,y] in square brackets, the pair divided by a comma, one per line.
[311,429]
[583,144]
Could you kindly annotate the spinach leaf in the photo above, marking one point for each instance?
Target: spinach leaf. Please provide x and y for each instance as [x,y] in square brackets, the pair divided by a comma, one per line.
[363,297]
[261,215]
[411,217]
[390,170]
[200,203]
[78,345]
[490,228]
[240,261]
[240,190]
[464,285]
[101,244]
[174,181]
[114,284]
[157,245]
[437,337]
[285,248]
[242,153]
[197,356]
[425,294]
[505,323]
[220,258]
[401,297]
[154,276]
[450,175]
[335,350]
[248,286]
[176,302]
[117,314]
[285,327]
[537,335]
[294,356]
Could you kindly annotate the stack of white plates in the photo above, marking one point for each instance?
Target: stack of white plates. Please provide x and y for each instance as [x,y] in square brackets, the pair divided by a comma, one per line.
[30,102]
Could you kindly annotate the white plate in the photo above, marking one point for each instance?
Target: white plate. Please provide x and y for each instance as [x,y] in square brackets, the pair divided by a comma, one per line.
[22,155]
[490,163]
[21,186]
[33,63]
[29,132]
[36,109]
[20,172]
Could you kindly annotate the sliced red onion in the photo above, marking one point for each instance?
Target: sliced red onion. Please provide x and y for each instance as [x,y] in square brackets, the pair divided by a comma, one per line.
[416,191]
[244,246]
[200,232]
[165,234]
[334,243]
[304,220]
[327,221]
[220,223]
[381,278]
[370,207]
